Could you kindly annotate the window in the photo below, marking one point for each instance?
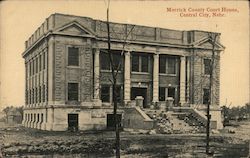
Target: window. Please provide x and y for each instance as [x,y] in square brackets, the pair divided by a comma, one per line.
[117,61]
[206,96]
[30,67]
[30,91]
[35,95]
[162,94]
[162,66]
[105,93]
[40,62]
[44,60]
[37,65]
[43,93]
[105,62]
[26,97]
[32,96]
[33,67]
[207,63]
[144,63]
[73,56]
[72,91]
[38,115]
[40,94]
[135,63]
[139,63]
[167,64]
[171,65]
[41,117]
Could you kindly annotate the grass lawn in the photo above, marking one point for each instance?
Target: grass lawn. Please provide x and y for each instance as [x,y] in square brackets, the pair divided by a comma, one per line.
[33,143]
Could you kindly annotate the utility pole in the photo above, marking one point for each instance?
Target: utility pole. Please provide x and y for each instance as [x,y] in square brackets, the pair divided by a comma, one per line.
[114,91]
[210,93]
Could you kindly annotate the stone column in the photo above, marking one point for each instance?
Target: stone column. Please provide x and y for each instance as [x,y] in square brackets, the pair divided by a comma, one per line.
[156,79]
[97,100]
[182,80]
[188,80]
[127,80]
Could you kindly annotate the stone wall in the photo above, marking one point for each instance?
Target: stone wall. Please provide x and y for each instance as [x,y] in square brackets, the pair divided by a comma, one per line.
[133,119]
[199,80]
[56,118]
[83,74]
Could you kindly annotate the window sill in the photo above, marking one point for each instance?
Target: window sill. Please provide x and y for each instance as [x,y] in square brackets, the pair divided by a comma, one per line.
[171,75]
[140,73]
[110,71]
[75,67]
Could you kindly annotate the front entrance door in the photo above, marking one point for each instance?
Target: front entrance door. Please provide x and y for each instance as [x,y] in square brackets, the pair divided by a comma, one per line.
[136,91]
[171,93]
[73,122]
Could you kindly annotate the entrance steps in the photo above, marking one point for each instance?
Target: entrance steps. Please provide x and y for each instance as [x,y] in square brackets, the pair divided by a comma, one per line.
[184,121]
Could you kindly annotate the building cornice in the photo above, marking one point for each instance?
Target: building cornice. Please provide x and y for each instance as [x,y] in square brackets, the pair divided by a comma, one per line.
[139,42]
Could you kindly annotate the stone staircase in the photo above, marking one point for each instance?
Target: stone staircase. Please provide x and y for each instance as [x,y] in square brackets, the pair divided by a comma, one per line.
[167,122]
[192,117]
[177,121]
[192,121]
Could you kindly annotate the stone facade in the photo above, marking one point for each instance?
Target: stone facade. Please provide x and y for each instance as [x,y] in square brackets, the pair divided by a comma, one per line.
[170,63]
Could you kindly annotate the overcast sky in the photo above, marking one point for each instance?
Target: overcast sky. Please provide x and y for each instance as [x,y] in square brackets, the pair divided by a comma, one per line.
[18,20]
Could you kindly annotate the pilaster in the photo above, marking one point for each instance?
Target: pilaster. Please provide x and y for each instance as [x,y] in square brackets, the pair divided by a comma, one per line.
[188,80]
[127,81]
[156,78]
[97,77]
[183,80]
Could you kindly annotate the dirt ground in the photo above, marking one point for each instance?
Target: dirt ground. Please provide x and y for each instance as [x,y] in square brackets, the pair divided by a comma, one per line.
[21,142]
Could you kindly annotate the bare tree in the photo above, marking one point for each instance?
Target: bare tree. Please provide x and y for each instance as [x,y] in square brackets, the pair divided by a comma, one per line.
[114,71]
[213,79]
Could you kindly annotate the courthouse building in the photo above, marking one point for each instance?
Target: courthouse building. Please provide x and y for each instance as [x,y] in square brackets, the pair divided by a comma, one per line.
[68,72]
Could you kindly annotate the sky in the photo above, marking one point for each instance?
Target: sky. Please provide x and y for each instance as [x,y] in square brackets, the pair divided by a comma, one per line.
[19,19]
